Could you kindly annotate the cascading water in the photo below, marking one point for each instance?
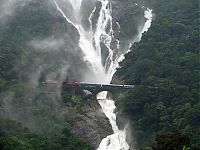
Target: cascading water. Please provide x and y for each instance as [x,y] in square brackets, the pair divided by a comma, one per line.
[90,44]
[117,141]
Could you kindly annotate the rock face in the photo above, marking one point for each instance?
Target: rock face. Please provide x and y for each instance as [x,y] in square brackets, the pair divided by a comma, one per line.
[90,123]
[127,18]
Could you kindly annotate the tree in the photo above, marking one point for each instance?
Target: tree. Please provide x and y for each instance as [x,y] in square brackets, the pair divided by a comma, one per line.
[172,141]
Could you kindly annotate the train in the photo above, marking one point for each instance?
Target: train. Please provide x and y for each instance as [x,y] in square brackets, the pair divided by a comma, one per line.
[90,85]
[96,85]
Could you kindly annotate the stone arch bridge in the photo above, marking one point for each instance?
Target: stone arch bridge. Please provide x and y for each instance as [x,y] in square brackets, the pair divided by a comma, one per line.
[94,88]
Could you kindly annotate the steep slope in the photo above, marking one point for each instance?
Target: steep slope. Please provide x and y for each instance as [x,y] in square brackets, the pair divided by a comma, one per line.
[164,67]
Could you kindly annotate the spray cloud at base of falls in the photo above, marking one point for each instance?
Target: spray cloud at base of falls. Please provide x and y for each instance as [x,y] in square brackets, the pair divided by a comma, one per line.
[90,43]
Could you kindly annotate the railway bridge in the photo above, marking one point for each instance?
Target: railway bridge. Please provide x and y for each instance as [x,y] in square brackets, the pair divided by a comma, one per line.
[94,88]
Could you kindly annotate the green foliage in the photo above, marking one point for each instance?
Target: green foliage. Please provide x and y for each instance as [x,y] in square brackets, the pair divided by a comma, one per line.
[11,143]
[76,103]
[173,140]
[73,99]
[164,67]
[22,139]
[24,102]
[43,142]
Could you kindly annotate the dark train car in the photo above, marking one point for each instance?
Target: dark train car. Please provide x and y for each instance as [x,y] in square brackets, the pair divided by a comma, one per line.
[90,85]
[108,86]
[116,86]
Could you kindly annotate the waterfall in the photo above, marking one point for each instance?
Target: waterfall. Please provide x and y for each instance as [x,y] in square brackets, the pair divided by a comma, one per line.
[90,43]
[117,141]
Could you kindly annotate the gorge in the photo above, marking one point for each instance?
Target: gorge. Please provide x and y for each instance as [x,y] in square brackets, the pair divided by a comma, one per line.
[90,43]
[74,40]
[151,44]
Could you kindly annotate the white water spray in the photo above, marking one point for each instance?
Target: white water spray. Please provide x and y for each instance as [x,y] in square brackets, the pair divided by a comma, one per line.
[117,141]
[90,44]
[86,45]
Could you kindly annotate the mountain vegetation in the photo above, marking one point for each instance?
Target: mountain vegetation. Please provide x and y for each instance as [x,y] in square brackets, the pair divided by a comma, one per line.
[164,67]
[163,108]
[31,116]
[19,138]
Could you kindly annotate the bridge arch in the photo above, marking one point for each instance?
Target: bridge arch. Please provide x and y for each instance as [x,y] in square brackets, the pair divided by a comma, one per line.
[93,88]
[104,94]
[100,94]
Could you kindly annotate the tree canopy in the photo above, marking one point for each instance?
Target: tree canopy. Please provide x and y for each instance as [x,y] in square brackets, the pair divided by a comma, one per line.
[164,67]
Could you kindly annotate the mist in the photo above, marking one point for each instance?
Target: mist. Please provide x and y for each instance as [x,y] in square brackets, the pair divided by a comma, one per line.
[47,49]
[47,44]
[9,7]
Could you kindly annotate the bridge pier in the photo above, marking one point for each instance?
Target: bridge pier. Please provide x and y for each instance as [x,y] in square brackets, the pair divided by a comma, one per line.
[94,94]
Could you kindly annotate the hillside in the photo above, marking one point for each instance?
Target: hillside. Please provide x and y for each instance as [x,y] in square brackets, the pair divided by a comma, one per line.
[164,67]
[39,43]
